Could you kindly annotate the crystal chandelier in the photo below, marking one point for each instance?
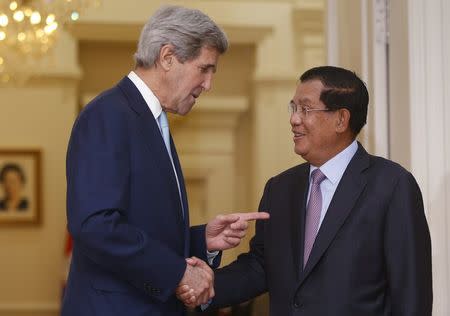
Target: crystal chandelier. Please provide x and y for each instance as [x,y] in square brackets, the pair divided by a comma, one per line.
[28,30]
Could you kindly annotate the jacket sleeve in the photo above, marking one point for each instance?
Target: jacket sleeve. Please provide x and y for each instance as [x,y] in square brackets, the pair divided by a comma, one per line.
[244,278]
[408,251]
[198,245]
[98,192]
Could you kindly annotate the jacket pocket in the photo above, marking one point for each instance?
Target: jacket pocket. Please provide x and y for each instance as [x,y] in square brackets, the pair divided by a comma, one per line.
[109,283]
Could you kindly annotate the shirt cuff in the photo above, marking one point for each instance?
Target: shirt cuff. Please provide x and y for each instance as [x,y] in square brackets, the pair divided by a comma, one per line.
[211,256]
[203,307]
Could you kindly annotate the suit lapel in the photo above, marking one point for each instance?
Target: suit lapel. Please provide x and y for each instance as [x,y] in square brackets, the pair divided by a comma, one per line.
[179,171]
[150,130]
[298,209]
[349,189]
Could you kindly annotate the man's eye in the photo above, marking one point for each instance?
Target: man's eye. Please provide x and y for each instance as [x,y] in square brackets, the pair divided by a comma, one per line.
[203,69]
[305,108]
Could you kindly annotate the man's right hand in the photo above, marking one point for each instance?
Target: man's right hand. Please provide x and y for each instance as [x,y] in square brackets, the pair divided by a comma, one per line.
[198,281]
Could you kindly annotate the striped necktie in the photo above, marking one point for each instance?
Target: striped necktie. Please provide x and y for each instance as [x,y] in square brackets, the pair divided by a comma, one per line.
[313,212]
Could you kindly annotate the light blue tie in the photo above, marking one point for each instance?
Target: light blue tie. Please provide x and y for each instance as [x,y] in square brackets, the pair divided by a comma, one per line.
[164,125]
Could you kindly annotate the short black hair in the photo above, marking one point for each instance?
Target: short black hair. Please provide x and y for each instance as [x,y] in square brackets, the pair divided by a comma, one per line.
[342,89]
[12,167]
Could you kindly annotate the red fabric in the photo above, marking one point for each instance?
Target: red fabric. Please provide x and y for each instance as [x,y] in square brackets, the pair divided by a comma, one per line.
[67,258]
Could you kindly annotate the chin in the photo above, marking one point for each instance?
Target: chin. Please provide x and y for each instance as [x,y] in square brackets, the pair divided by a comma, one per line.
[183,110]
[299,150]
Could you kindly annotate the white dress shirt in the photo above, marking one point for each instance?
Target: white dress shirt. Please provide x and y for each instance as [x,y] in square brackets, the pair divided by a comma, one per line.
[333,169]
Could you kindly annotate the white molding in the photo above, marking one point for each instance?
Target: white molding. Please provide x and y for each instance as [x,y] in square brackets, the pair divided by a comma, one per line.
[380,81]
[25,307]
[446,79]
[365,70]
[105,32]
[418,96]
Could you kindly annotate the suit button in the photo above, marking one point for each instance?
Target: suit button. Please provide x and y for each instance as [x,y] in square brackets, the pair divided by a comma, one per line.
[297,304]
[152,290]
[155,291]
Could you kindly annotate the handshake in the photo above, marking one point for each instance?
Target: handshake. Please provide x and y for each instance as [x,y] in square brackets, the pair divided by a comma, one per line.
[223,232]
[197,285]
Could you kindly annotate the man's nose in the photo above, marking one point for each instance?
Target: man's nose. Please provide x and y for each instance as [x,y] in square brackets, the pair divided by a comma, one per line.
[295,119]
[207,83]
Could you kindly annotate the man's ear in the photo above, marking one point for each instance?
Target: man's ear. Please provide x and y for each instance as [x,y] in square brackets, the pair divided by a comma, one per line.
[343,120]
[166,57]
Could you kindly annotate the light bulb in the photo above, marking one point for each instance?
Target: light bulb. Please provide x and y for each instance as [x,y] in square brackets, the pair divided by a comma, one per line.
[3,20]
[27,12]
[50,19]
[51,28]
[13,6]
[18,16]
[75,16]
[35,18]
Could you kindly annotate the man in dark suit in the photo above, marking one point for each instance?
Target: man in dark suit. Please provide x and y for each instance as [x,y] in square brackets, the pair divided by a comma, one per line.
[127,209]
[347,234]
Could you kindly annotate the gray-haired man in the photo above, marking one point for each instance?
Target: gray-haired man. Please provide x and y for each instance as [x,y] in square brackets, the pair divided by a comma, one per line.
[126,200]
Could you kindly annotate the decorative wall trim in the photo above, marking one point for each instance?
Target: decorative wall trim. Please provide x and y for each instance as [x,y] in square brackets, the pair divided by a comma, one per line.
[380,83]
[29,308]
[365,62]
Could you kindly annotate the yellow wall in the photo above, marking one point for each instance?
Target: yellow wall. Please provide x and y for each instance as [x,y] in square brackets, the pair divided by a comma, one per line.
[38,116]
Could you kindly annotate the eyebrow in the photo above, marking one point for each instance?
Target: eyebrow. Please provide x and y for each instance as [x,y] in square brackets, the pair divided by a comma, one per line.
[304,100]
[214,68]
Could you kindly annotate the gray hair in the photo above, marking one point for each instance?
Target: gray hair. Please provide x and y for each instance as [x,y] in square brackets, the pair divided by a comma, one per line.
[188,30]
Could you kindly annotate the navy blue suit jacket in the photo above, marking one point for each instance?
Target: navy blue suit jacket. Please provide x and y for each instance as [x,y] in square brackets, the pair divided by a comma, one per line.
[371,256]
[124,212]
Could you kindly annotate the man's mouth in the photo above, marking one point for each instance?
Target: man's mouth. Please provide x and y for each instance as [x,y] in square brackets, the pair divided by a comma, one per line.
[298,135]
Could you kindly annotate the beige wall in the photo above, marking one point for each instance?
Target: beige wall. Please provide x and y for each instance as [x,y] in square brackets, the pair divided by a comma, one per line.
[38,116]
[237,136]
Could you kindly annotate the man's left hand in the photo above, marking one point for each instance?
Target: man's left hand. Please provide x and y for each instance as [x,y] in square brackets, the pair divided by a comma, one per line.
[226,231]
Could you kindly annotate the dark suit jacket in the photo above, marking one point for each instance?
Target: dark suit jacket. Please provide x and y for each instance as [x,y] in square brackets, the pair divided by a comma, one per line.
[124,212]
[371,257]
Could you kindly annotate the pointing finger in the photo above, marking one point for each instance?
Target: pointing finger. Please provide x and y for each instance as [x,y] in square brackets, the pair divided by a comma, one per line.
[230,218]
[239,225]
[251,216]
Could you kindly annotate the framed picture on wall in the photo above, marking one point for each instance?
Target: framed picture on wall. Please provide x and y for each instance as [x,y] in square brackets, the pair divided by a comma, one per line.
[20,186]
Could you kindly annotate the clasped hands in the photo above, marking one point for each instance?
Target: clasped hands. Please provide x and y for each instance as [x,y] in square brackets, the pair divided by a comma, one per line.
[223,232]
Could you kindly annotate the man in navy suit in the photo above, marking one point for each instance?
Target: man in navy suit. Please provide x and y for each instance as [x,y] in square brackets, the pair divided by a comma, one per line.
[127,209]
[347,234]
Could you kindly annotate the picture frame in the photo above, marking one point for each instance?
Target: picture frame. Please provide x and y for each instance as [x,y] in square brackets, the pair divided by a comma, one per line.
[20,187]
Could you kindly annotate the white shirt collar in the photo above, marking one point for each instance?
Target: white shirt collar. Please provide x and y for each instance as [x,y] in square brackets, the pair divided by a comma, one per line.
[151,100]
[334,168]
